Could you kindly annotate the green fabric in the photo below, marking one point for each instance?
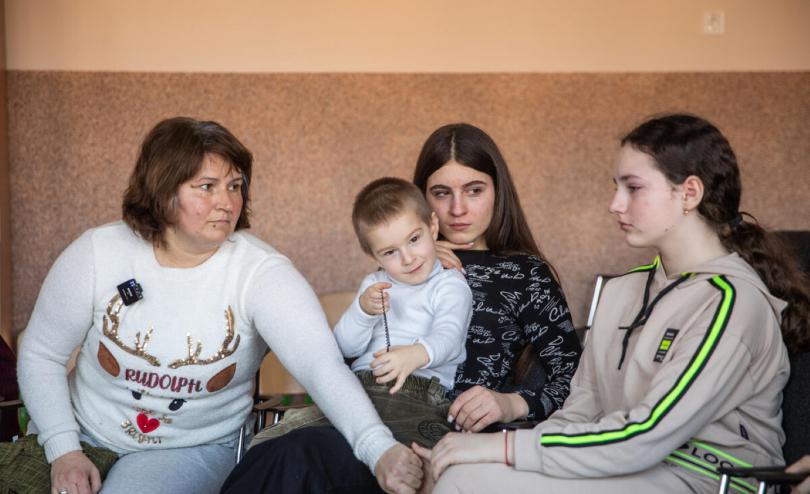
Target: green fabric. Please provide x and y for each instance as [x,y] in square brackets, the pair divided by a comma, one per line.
[24,469]
[416,413]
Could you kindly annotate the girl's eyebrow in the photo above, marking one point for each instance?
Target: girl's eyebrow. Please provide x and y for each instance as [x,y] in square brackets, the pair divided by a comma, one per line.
[475,182]
[468,184]
[216,179]
[625,178]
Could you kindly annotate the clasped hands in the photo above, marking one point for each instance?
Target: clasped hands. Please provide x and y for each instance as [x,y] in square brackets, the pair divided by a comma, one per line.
[474,409]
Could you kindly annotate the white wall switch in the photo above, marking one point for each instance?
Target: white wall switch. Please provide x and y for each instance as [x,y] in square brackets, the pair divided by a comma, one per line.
[714,22]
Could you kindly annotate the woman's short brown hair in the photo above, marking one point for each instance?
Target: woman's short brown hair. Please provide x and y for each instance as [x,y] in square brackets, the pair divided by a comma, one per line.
[171,154]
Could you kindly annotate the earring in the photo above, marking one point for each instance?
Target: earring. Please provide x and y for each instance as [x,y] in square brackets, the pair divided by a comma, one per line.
[685,212]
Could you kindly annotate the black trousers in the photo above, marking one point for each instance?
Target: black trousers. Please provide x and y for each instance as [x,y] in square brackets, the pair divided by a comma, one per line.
[308,460]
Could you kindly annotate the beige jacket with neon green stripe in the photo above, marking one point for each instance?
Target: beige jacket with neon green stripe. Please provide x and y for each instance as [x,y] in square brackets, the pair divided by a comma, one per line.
[710,394]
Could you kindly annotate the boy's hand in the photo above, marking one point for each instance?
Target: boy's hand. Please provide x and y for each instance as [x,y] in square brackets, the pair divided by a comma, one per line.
[371,300]
[398,363]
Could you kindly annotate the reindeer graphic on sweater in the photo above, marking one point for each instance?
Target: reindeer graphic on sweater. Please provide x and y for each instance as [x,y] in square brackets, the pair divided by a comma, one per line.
[144,424]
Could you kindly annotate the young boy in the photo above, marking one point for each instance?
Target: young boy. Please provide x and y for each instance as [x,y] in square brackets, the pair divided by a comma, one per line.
[427,308]
[407,327]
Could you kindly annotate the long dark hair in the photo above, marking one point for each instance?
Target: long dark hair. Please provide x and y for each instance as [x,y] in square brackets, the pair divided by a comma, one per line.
[508,232]
[686,145]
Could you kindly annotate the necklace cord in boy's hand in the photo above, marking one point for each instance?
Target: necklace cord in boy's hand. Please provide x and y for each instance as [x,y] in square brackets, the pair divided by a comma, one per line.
[385,323]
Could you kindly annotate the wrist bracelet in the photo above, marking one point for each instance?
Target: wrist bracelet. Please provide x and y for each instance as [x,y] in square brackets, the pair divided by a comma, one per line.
[506,448]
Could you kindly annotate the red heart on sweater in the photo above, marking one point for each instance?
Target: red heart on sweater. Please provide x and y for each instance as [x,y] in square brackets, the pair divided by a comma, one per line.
[145,424]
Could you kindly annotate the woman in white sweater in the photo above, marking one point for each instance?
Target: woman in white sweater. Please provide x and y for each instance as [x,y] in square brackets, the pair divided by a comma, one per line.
[173,309]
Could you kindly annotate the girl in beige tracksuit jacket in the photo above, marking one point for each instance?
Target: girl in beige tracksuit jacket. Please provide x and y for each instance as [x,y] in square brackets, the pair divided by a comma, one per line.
[694,377]
[684,366]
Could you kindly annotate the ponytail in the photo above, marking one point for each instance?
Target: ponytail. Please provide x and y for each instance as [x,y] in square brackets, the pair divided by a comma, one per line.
[781,273]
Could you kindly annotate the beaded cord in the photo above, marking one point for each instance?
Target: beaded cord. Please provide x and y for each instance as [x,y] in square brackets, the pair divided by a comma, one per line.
[385,323]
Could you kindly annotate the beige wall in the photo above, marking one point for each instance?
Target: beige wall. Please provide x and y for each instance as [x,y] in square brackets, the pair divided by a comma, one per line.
[405,35]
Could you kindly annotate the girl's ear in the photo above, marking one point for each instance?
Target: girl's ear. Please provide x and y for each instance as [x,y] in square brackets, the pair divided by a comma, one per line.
[692,189]
[434,226]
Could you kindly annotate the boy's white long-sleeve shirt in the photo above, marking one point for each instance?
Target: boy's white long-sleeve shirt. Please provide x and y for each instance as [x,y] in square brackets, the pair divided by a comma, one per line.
[435,313]
[168,394]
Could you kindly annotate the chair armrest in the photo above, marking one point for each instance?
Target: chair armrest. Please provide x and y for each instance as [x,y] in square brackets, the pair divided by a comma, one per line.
[282,403]
[771,475]
[278,405]
[11,403]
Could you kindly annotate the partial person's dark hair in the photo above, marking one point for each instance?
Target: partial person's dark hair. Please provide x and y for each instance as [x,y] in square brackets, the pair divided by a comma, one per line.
[508,232]
[686,145]
[383,200]
[171,154]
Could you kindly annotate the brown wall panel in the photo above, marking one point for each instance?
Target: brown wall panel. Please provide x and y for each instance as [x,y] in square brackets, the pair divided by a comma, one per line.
[318,138]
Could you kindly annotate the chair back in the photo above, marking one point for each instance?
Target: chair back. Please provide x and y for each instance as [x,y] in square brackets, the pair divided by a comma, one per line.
[796,395]
[273,378]
[799,242]
[795,406]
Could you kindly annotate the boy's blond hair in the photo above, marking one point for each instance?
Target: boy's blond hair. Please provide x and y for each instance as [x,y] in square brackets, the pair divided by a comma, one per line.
[381,201]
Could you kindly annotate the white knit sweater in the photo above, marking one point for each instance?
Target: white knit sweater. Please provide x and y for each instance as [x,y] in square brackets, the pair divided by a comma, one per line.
[175,369]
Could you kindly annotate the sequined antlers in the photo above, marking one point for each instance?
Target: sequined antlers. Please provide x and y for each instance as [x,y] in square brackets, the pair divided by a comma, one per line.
[110,328]
[224,351]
